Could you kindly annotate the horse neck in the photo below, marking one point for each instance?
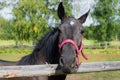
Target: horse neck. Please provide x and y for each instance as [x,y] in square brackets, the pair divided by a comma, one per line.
[46,51]
[49,52]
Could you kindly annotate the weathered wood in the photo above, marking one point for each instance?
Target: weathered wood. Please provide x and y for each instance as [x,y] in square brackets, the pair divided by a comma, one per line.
[47,70]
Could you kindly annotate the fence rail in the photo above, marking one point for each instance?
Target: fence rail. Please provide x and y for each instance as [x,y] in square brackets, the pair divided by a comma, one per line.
[48,69]
[92,45]
[103,45]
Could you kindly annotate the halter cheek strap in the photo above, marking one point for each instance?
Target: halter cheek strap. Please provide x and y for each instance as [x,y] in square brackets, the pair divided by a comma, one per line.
[78,50]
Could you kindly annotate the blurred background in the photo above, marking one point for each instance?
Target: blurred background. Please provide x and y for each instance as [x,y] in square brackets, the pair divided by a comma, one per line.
[23,23]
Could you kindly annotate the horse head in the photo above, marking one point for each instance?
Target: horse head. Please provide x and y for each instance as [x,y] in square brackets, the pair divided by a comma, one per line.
[70,40]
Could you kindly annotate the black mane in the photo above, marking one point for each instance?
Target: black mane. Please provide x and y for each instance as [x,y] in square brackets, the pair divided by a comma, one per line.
[49,44]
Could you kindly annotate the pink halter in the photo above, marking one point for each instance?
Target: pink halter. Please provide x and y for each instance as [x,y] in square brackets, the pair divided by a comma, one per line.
[76,48]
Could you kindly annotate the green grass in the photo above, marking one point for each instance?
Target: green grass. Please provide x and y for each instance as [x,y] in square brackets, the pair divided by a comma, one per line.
[7,42]
[11,57]
[103,51]
[14,54]
[115,43]
[12,42]
[95,43]
[15,50]
[94,55]
[107,75]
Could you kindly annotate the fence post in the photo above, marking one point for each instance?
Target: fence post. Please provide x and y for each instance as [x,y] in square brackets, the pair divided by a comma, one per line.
[99,44]
[106,44]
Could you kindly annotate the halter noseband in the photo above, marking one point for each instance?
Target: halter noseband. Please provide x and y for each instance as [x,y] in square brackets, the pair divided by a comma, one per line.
[78,49]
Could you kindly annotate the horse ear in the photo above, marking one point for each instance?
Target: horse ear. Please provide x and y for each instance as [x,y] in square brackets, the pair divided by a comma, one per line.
[82,19]
[61,11]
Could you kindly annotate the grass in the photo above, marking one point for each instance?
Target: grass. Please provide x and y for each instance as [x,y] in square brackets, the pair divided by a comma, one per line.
[12,42]
[15,50]
[14,54]
[8,51]
[94,55]
[95,43]
[11,57]
[7,42]
[109,75]
[98,55]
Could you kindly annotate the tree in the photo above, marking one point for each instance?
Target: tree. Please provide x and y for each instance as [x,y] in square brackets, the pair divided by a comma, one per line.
[2,24]
[104,16]
[53,5]
[2,4]
[30,18]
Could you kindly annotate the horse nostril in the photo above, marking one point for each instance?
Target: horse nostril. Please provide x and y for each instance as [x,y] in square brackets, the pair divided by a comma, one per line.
[61,62]
[74,63]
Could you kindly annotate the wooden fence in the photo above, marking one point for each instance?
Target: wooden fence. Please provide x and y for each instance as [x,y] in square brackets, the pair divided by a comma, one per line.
[48,69]
[102,45]
[93,45]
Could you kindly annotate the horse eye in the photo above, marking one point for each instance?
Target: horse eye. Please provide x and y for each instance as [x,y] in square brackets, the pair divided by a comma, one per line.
[82,31]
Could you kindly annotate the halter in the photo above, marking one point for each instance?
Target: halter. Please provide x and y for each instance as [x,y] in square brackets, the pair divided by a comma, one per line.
[78,49]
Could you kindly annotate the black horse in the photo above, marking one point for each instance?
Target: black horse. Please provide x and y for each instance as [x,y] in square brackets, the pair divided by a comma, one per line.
[59,46]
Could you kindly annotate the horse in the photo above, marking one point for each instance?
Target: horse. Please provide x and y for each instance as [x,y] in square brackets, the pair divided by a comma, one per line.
[60,45]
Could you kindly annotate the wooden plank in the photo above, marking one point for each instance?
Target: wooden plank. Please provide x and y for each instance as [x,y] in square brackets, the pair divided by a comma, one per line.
[47,70]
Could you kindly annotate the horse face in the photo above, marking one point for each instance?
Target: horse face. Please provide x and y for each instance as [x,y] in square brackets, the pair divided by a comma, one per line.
[70,38]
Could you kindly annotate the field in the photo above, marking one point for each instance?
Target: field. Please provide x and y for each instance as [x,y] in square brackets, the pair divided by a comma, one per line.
[109,54]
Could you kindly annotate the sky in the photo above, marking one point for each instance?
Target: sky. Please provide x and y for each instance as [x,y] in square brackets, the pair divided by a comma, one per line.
[80,7]
[7,11]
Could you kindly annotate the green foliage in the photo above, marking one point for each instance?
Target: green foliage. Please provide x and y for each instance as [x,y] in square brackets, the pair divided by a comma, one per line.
[53,5]
[104,16]
[5,29]
[15,50]
[30,19]
[2,23]
[89,32]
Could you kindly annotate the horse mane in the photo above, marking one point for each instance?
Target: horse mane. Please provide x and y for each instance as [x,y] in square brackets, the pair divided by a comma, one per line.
[47,48]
